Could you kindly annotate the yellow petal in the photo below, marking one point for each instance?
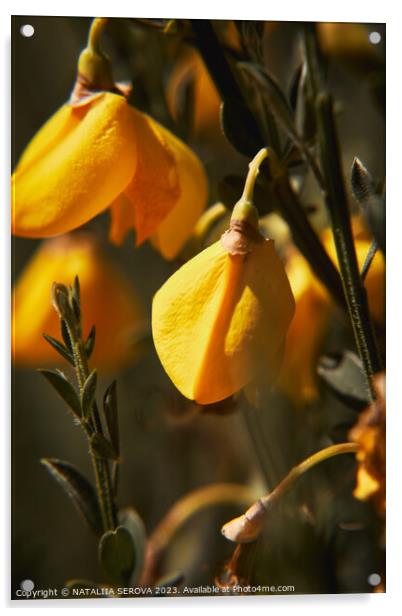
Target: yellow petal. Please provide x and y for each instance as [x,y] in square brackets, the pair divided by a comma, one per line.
[107,299]
[366,486]
[303,343]
[75,167]
[175,229]
[219,317]
[166,195]
[154,188]
[122,219]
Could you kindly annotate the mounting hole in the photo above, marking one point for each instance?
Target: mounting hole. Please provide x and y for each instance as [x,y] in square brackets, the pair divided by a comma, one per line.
[27,30]
[374,579]
[27,585]
[375,38]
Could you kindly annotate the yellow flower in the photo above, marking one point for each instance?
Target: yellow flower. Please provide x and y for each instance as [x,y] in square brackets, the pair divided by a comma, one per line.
[223,316]
[313,308]
[108,302]
[303,343]
[141,204]
[190,71]
[369,433]
[98,151]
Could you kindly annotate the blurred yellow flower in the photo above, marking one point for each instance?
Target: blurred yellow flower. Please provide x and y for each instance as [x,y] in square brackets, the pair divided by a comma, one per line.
[375,279]
[303,342]
[222,318]
[369,433]
[313,308]
[190,72]
[100,151]
[108,302]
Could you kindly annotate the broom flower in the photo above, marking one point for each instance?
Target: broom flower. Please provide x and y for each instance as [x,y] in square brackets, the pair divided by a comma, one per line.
[98,151]
[222,318]
[108,298]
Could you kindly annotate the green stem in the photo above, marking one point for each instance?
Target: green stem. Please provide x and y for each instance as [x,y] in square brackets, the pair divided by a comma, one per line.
[254,168]
[338,209]
[247,527]
[101,467]
[95,32]
[299,470]
[336,201]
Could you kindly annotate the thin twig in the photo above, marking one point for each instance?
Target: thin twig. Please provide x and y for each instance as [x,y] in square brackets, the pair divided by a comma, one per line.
[338,209]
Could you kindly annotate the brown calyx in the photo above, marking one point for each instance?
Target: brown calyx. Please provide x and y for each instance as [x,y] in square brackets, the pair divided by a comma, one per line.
[240,238]
[84,91]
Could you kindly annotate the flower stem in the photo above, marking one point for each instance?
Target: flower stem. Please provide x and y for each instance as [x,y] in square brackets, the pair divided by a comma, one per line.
[254,168]
[247,527]
[95,32]
[316,458]
[181,513]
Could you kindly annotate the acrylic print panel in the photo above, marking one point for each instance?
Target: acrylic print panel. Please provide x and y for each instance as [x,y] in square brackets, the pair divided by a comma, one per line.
[198,308]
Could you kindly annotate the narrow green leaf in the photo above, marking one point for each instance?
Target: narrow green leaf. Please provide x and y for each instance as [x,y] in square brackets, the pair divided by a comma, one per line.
[60,301]
[273,92]
[88,393]
[78,488]
[75,298]
[239,127]
[65,335]
[103,448]
[131,520]
[117,555]
[60,348]
[362,182]
[345,377]
[369,259]
[111,414]
[294,88]
[76,289]
[64,388]
[372,205]
[90,342]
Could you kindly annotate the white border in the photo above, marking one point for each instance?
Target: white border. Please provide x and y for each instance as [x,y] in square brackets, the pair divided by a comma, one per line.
[341,10]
